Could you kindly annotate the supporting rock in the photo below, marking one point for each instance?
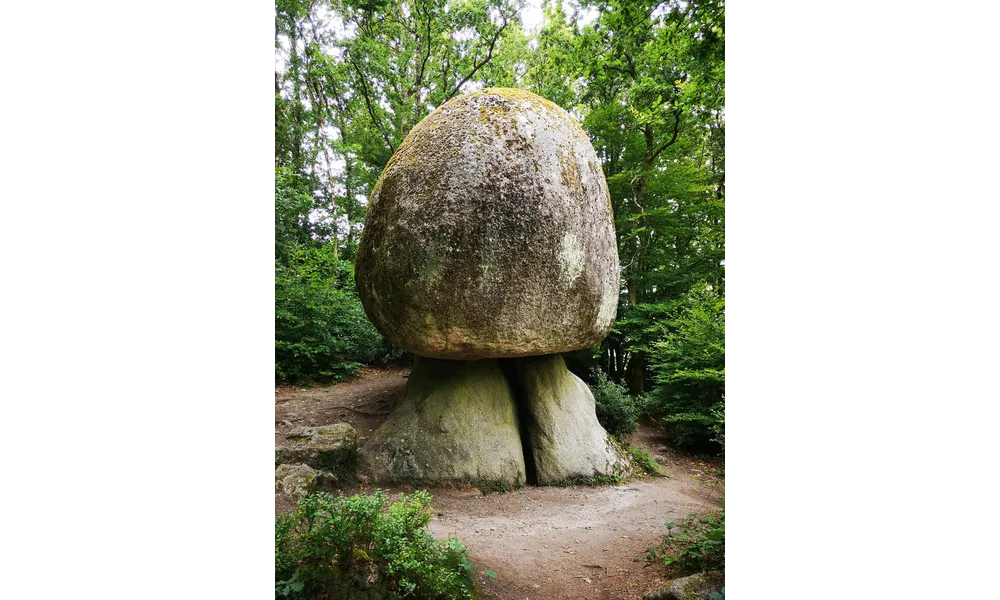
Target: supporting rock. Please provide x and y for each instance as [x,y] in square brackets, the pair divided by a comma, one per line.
[455,423]
[568,443]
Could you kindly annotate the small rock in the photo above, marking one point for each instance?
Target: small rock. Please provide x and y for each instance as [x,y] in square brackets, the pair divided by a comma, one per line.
[330,447]
[692,586]
[295,481]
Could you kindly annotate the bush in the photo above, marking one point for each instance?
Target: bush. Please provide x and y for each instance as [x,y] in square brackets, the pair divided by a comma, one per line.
[642,459]
[321,331]
[357,547]
[699,545]
[617,412]
[690,366]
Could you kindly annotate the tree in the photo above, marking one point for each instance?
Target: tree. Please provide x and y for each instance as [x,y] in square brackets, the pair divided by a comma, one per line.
[651,97]
[646,79]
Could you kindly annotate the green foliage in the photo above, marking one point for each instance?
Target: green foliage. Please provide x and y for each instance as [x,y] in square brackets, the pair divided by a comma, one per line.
[321,331]
[291,208]
[362,547]
[719,424]
[641,458]
[595,480]
[698,545]
[617,411]
[690,363]
[646,79]
[651,82]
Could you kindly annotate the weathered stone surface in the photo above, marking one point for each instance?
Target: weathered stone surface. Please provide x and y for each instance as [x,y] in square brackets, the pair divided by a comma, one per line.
[692,587]
[295,481]
[455,423]
[567,441]
[330,447]
[490,234]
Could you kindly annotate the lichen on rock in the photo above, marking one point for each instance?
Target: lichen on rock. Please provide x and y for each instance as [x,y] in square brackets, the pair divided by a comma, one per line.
[692,587]
[567,441]
[330,447]
[455,424]
[489,234]
[295,481]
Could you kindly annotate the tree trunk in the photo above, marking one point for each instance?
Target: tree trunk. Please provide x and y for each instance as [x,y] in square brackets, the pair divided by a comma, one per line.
[636,373]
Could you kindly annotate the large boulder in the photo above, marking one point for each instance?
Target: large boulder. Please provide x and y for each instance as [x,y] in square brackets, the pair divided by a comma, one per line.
[330,447]
[489,234]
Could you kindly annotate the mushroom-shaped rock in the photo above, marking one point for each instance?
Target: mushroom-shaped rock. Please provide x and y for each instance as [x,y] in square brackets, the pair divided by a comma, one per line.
[488,249]
[489,234]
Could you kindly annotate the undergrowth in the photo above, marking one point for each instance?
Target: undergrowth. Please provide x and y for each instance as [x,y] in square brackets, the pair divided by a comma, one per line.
[363,547]
[641,458]
[697,545]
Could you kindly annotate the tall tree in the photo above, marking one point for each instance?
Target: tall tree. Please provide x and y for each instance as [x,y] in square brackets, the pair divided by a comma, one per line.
[650,83]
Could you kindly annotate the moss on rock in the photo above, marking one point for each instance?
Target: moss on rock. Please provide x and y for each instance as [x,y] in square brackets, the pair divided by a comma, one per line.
[567,442]
[692,587]
[489,233]
[454,424]
[330,447]
[295,481]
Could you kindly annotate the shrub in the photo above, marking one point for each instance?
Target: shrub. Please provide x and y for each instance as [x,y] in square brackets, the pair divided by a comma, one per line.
[617,411]
[321,331]
[641,458]
[357,546]
[690,366]
[699,545]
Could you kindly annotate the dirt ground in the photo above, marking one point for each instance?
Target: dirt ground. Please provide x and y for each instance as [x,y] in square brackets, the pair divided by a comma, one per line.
[547,543]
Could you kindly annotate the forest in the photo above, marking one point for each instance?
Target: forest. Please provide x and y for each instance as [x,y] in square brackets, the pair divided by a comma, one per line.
[645,80]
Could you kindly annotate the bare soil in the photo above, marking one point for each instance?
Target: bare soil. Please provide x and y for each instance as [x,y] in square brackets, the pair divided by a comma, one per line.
[547,543]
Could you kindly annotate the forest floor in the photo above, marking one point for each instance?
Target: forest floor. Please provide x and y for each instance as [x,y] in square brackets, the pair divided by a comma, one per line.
[552,543]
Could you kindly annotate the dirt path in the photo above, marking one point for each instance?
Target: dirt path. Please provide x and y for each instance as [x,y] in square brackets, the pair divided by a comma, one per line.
[542,542]
[364,401]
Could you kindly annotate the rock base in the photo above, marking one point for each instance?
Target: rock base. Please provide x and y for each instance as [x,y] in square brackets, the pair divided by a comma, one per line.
[483,422]
[455,424]
[567,442]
